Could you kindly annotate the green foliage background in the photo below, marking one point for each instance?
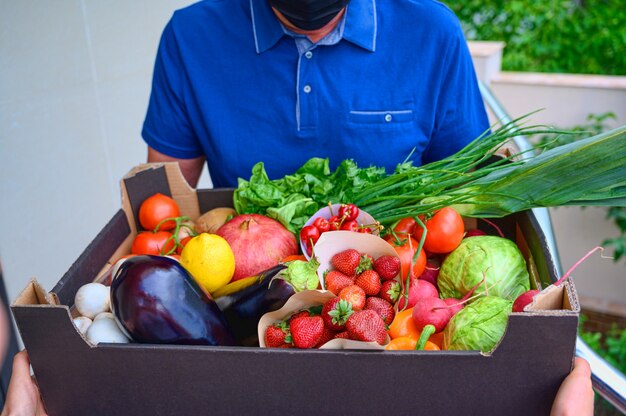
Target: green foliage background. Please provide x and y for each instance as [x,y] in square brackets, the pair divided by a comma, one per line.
[564,36]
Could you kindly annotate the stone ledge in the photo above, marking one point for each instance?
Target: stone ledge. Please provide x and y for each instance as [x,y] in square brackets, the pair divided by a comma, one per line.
[612,82]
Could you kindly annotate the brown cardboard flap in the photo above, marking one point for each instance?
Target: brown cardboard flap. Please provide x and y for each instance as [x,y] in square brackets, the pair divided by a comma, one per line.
[184,194]
[149,178]
[34,294]
[561,298]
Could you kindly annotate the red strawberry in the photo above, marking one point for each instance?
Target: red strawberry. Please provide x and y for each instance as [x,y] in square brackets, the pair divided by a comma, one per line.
[390,291]
[382,308]
[335,281]
[367,326]
[387,267]
[300,314]
[335,313]
[342,335]
[366,263]
[369,281]
[354,295]
[346,261]
[327,335]
[307,331]
[277,334]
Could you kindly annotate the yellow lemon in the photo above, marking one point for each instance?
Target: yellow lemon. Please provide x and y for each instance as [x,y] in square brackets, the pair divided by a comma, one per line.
[210,260]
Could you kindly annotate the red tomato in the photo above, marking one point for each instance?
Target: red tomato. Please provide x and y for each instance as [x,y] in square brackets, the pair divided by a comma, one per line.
[445,231]
[405,226]
[147,242]
[155,209]
[406,250]
[182,244]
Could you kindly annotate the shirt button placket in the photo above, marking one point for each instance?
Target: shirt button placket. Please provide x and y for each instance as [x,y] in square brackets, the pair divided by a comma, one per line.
[305,117]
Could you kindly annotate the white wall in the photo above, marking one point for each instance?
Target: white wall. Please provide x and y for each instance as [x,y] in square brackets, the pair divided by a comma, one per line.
[74,85]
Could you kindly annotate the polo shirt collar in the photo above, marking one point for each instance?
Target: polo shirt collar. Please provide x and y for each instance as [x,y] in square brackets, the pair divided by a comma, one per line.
[360,24]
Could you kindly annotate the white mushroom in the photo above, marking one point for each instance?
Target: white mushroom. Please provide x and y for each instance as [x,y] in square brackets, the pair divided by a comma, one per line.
[106,330]
[82,323]
[92,299]
[103,315]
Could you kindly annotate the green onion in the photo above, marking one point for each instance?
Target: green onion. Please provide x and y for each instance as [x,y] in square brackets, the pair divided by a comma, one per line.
[591,171]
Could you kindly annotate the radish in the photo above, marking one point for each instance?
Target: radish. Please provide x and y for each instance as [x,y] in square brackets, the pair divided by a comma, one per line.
[430,274]
[474,232]
[527,297]
[431,311]
[456,305]
[418,289]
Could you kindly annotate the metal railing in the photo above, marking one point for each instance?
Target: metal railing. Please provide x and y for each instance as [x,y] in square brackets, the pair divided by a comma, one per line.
[607,381]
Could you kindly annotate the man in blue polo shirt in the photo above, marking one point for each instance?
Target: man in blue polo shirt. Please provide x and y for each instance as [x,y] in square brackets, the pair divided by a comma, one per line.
[280,81]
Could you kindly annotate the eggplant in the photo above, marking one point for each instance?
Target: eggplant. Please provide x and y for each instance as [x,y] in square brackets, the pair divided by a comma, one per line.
[155,300]
[244,308]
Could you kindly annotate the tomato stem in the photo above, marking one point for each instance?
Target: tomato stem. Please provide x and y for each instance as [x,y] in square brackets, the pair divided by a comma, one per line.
[180,223]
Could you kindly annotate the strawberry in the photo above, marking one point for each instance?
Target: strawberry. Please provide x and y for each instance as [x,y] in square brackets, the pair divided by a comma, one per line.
[354,295]
[366,325]
[307,331]
[342,335]
[382,308]
[277,334]
[366,263]
[346,261]
[300,314]
[387,266]
[335,313]
[335,281]
[327,335]
[369,281]
[390,291]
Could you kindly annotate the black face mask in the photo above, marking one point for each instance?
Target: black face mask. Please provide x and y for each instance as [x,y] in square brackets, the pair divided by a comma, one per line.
[309,14]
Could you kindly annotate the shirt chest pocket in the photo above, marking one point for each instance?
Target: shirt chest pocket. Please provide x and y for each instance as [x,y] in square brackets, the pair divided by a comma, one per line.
[381,117]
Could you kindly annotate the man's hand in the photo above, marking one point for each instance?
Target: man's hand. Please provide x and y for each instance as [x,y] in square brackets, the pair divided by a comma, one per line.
[575,397]
[23,397]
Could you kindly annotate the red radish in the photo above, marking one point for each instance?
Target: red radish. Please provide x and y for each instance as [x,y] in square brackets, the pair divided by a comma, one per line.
[431,311]
[258,243]
[474,232]
[418,289]
[527,297]
[456,305]
[524,299]
[430,274]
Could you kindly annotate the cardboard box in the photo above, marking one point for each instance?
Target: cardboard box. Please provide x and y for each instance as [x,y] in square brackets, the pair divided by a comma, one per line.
[521,376]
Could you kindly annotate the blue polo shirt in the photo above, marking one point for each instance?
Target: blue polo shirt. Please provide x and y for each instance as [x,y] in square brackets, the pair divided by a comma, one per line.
[395,79]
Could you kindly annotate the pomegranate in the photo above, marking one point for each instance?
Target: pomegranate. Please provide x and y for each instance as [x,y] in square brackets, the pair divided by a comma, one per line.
[258,243]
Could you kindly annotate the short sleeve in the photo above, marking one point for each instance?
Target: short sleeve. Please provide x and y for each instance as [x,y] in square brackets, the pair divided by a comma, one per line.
[460,111]
[167,127]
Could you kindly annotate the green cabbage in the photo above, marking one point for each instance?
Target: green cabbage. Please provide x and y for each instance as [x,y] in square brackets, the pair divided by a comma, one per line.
[495,258]
[479,325]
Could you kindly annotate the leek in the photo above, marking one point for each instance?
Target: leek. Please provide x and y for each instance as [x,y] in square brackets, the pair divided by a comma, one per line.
[590,171]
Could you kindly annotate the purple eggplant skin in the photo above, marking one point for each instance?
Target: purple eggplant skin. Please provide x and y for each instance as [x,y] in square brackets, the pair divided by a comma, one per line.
[156,301]
[244,309]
